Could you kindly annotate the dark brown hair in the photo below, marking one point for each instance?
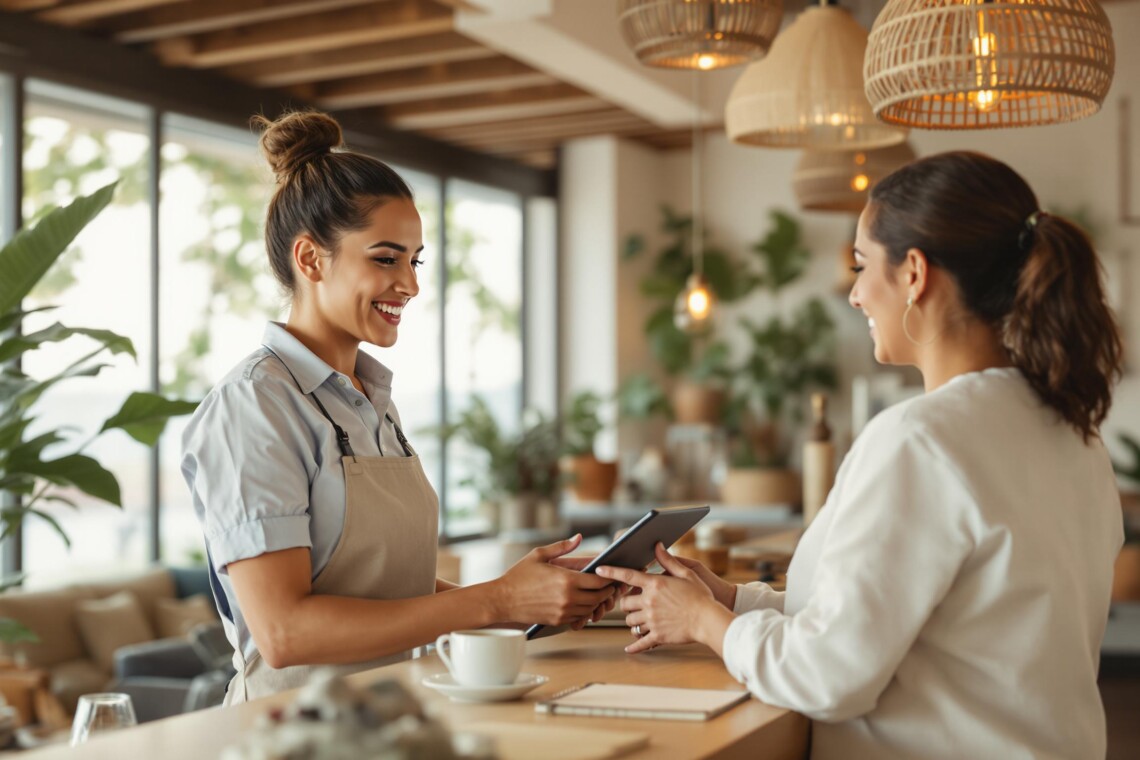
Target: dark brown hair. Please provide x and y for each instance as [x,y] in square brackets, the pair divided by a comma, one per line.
[1033,276]
[320,190]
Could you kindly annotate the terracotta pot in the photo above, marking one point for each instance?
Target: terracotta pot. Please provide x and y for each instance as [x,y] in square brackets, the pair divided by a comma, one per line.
[1126,575]
[593,480]
[760,486]
[696,404]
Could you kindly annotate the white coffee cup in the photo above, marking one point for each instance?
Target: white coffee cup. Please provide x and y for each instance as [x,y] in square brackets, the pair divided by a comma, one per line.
[486,657]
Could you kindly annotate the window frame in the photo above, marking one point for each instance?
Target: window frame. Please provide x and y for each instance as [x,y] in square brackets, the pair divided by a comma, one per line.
[429,158]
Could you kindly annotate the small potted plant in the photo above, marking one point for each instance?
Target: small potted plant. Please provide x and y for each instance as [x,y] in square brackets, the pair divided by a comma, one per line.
[590,479]
[517,476]
[1126,574]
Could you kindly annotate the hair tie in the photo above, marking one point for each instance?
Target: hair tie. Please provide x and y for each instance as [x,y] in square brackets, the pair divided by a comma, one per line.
[1029,232]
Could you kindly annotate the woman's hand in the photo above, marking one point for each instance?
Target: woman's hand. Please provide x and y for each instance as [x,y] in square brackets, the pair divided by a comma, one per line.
[538,590]
[579,563]
[677,608]
[723,591]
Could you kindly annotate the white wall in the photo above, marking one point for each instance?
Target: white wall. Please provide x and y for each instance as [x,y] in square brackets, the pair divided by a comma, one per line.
[1069,166]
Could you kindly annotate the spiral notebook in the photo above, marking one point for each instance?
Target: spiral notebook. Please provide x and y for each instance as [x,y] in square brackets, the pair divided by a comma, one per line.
[615,700]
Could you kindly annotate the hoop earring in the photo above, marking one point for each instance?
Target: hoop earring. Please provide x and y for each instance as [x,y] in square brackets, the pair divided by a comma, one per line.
[906,331]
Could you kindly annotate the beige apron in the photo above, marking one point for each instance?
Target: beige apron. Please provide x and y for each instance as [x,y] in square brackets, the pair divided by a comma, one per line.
[387,550]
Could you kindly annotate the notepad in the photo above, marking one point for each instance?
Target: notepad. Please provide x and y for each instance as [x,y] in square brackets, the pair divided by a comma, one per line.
[615,700]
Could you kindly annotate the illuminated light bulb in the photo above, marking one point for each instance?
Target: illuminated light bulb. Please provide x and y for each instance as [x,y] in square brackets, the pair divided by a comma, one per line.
[860,159]
[706,61]
[985,67]
[859,182]
[693,310]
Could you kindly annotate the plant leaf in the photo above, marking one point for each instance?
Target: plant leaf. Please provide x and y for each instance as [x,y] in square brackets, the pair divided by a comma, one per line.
[31,253]
[53,523]
[143,416]
[13,632]
[78,470]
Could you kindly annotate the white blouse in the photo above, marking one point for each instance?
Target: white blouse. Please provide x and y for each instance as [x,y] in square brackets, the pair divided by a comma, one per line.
[950,599]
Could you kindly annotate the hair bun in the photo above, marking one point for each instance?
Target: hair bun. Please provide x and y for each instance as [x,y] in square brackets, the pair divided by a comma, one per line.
[294,139]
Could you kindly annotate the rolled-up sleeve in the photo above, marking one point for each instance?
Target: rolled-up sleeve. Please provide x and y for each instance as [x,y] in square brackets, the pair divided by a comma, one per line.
[757,596]
[248,465]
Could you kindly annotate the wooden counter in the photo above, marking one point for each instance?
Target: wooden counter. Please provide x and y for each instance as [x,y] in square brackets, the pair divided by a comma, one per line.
[753,729]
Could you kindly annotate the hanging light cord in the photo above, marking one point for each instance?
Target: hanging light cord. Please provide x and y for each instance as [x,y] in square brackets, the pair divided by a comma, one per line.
[698,253]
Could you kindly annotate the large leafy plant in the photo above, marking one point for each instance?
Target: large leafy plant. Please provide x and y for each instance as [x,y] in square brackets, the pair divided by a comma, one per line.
[788,356]
[676,351]
[32,472]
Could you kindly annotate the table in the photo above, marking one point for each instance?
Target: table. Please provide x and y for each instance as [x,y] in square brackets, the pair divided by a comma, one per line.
[752,730]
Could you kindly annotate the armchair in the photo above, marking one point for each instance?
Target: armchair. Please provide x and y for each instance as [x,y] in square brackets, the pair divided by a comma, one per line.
[171,676]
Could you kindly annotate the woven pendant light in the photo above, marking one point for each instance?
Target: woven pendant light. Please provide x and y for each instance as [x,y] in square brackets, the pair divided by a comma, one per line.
[967,64]
[699,34]
[808,91]
[841,180]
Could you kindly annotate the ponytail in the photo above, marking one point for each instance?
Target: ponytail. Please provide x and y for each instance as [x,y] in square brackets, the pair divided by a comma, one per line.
[1033,276]
[1061,333]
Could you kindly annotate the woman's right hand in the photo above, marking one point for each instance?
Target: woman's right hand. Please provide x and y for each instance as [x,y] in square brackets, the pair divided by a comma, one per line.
[536,591]
[723,591]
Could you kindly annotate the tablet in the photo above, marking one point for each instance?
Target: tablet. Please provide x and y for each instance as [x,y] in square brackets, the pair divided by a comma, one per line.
[635,548]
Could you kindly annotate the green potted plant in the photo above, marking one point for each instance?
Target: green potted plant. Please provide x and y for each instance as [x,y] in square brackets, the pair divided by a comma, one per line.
[1126,573]
[30,477]
[697,368]
[517,476]
[788,357]
[590,478]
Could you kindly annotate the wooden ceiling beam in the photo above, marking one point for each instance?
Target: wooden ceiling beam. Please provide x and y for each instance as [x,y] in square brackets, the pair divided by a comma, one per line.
[78,13]
[202,16]
[517,126]
[315,32]
[375,58]
[437,81]
[548,134]
[492,106]
[532,140]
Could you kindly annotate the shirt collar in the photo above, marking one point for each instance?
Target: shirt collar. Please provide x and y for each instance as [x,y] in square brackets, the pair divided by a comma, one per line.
[310,370]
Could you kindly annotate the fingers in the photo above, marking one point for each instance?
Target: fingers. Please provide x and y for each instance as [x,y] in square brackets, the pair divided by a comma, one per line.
[643,644]
[571,563]
[670,563]
[557,549]
[624,575]
[632,603]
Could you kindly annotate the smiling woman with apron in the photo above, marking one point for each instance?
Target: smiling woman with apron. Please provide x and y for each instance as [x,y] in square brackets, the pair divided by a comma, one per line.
[320,526]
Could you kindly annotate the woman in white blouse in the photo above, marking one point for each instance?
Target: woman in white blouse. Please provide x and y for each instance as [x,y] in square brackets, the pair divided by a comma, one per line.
[320,525]
[950,599]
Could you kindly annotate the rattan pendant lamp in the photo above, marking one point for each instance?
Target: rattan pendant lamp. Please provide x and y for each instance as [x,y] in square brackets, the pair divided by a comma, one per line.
[841,180]
[808,91]
[969,64]
[699,34]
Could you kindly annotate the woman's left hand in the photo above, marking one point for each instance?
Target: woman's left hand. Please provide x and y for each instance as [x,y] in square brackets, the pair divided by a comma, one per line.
[671,609]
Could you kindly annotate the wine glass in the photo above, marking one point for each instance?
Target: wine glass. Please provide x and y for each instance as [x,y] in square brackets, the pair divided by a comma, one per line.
[98,713]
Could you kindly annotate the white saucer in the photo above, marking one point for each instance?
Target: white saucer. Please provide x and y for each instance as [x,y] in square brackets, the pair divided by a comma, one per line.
[445,684]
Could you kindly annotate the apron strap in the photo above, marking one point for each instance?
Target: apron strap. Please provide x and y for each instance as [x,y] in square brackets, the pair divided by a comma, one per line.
[341,436]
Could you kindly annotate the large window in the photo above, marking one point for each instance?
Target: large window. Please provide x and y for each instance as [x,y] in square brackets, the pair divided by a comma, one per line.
[75,143]
[484,354]
[204,252]
[215,288]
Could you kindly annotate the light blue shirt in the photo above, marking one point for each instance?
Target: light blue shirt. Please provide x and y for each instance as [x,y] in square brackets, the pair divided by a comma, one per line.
[262,462]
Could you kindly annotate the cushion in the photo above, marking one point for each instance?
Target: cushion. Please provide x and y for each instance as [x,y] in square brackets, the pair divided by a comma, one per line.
[51,615]
[71,680]
[177,616]
[110,623]
[147,586]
